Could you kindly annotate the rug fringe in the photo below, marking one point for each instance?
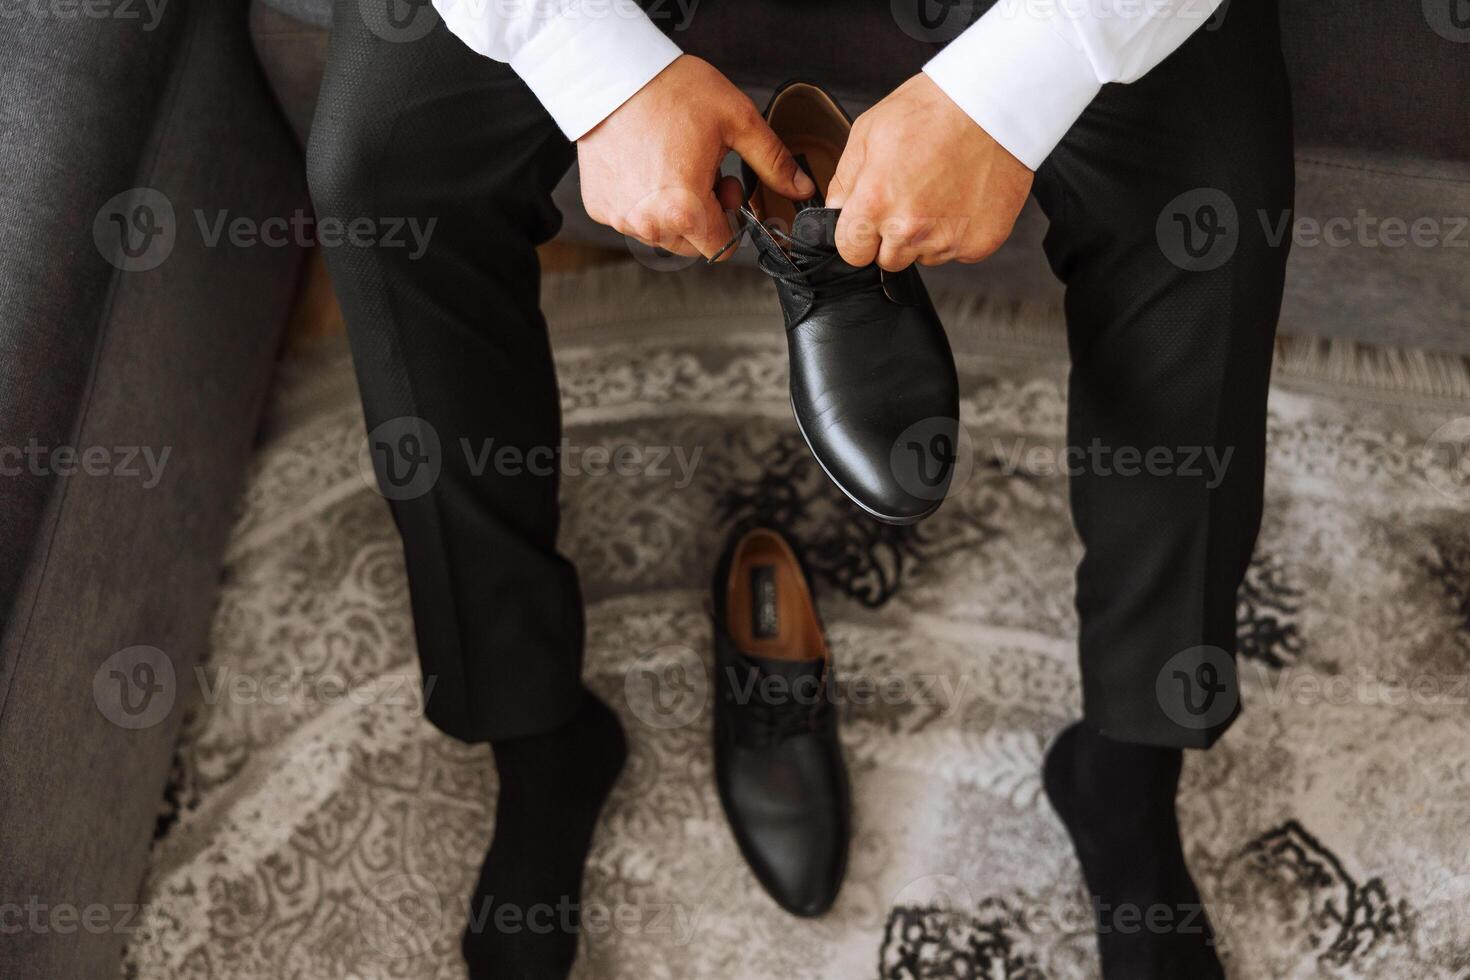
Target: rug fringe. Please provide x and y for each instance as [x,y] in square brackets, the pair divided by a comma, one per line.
[1350,363]
[572,298]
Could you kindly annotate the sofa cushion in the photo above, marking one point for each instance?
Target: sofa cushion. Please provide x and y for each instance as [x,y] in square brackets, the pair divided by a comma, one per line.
[1381,250]
[1391,78]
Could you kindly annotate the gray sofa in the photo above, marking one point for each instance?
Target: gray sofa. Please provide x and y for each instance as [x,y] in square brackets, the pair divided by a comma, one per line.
[107,580]
[167,347]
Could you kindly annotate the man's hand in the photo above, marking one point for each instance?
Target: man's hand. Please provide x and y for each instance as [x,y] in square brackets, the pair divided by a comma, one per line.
[921,182]
[648,170]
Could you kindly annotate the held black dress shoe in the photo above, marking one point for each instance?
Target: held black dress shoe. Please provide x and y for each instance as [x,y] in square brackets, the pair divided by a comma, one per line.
[873,382]
[778,761]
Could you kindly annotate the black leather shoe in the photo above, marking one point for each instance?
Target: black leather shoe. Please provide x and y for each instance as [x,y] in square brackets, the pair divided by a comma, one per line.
[778,761]
[873,381]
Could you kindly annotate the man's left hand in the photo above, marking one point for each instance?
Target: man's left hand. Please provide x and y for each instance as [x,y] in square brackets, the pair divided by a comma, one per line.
[920,182]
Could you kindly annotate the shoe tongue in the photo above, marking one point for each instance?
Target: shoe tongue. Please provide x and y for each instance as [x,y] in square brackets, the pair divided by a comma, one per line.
[787,670]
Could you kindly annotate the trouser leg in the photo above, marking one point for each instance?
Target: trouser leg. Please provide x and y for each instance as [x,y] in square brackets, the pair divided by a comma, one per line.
[453,359]
[1167,202]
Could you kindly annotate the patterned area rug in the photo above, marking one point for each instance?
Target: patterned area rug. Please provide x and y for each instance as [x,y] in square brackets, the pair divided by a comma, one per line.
[319,829]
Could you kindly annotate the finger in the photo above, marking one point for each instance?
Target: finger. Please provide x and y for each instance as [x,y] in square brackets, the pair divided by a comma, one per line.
[895,256]
[677,220]
[937,258]
[657,238]
[845,179]
[857,232]
[763,152]
[730,193]
[716,228]
[646,229]
[675,245]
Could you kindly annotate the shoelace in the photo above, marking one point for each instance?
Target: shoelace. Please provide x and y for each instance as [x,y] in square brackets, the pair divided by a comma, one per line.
[808,258]
[772,724]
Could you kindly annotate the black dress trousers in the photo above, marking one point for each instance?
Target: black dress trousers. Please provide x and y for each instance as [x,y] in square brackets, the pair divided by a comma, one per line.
[1162,200]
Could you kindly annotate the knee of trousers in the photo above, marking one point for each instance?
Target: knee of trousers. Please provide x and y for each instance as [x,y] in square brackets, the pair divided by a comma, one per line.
[339,171]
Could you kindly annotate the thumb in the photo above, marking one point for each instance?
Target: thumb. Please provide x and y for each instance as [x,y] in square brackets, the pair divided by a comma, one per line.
[763,152]
[845,179]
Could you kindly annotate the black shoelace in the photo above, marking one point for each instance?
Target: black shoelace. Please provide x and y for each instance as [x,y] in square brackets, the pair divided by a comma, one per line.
[771,724]
[809,258]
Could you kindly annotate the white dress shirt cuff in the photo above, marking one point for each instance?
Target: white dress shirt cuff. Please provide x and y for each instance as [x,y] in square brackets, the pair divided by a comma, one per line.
[1021,75]
[583,64]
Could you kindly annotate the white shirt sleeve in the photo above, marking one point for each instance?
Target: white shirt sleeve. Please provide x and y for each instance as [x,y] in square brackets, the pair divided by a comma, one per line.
[582,60]
[1026,69]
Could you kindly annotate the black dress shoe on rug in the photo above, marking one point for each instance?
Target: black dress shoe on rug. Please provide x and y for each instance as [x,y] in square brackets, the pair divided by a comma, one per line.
[873,381]
[778,761]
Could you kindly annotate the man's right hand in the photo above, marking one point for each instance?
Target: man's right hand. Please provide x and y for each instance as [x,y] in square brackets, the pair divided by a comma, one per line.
[649,170]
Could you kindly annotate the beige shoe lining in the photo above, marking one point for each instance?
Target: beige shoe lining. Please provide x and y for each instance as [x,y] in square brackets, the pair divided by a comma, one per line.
[799,633]
[810,124]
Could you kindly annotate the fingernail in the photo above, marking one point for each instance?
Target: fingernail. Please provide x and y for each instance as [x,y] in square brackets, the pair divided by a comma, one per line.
[804,183]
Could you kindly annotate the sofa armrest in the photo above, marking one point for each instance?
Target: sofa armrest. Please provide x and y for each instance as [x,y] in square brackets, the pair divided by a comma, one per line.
[130,390]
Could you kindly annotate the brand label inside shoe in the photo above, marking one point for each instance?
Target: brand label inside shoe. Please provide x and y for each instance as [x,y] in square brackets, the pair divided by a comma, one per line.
[765,611]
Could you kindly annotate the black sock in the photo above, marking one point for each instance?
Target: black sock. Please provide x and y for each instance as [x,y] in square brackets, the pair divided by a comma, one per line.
[525,914]
[1117,802]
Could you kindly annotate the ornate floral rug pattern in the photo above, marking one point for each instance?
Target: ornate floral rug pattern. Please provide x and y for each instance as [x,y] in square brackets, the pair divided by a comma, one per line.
[319,829]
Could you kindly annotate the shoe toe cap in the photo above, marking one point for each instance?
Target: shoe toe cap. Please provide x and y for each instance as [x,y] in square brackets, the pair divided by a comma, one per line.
[789,811]
[878,404]
[897,463]
[801,863]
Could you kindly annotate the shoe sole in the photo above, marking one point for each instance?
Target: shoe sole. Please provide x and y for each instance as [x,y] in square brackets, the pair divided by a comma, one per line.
[885,518]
